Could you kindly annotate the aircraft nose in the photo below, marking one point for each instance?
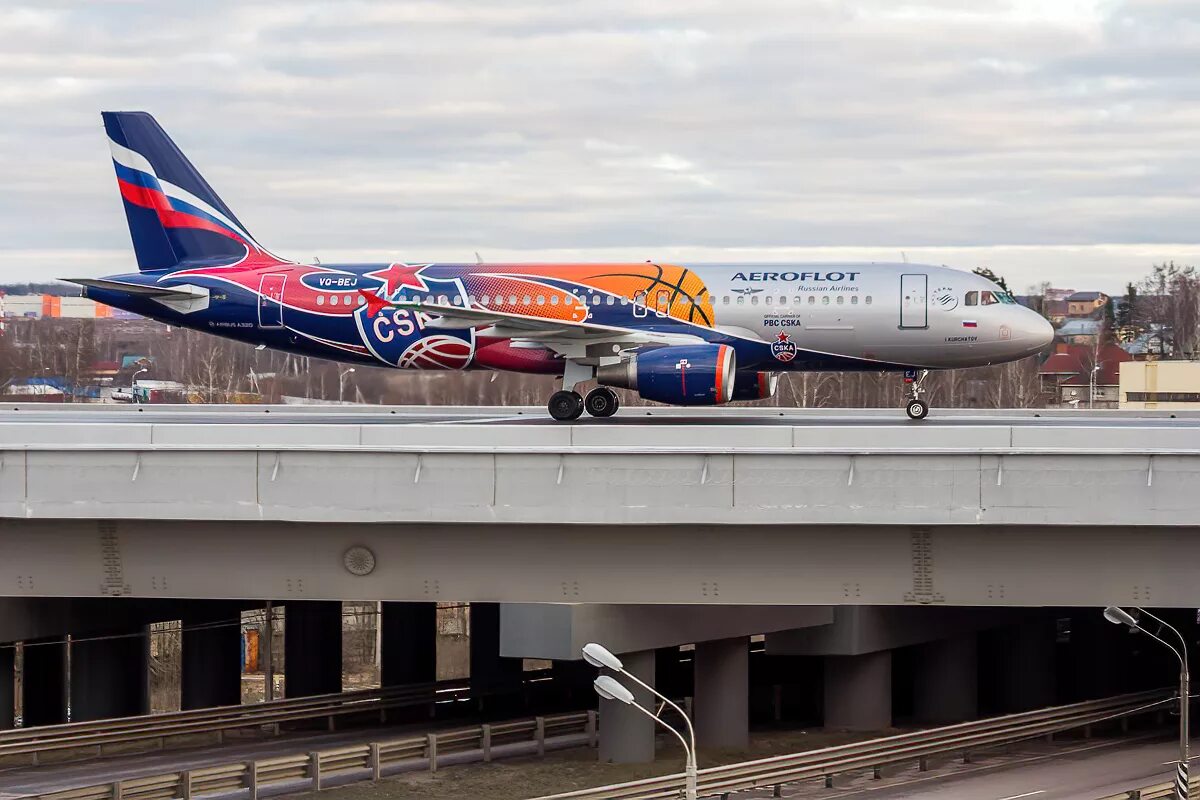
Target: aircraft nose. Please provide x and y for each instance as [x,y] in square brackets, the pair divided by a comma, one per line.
[1035,331]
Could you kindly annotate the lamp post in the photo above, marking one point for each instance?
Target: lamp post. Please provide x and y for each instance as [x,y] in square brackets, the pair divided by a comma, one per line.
[599,656]
[342,382]
[610,689]
[1119,616]
[133,383]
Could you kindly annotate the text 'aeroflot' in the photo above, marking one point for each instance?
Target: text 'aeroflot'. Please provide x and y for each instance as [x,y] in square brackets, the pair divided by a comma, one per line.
[685,335]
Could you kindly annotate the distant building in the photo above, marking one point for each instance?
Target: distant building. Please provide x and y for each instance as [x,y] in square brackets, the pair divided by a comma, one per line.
[1084,304]
[1080,331]
[1054,310]
[1163,385]
[39,306]
[1067,375]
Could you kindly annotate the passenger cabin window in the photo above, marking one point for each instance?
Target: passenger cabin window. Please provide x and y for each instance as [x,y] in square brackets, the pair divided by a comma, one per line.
[972,299]
[868,300]
[853,299]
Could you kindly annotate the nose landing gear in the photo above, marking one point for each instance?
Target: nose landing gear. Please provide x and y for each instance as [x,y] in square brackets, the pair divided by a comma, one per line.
[916,408]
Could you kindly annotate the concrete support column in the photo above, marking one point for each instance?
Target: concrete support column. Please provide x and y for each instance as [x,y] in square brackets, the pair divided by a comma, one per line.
[312,647]
[722,699]
[493,676]
[858,692]
[110,675]
[8,660]
[211,661]
[947,680]
[626,734]
[44,682]
[408,643]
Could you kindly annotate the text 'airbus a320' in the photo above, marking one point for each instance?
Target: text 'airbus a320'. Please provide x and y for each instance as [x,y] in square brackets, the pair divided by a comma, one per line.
[698,335]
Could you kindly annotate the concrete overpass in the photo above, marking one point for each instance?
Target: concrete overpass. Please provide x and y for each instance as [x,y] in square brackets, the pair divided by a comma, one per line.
[861,544]
[742,507]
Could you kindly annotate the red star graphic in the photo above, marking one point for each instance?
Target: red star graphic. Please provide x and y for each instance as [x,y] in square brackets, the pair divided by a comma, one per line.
[396,276]
[783,337]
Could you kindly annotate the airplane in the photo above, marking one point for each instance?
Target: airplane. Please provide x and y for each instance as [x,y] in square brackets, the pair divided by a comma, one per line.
[701,335]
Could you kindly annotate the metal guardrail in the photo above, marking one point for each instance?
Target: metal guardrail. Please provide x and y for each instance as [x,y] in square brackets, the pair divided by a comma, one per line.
[1158,791]
[350,763]
[876,753]
[161,729]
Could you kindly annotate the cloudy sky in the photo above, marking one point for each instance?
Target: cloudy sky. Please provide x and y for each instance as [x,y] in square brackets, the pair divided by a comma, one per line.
[1048,139]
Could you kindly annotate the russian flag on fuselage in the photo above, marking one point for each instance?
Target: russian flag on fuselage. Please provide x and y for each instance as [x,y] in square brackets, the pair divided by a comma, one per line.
[175,217]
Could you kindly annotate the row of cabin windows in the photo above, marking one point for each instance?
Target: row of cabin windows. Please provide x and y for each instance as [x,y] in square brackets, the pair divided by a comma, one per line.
[612,300]
[541,300]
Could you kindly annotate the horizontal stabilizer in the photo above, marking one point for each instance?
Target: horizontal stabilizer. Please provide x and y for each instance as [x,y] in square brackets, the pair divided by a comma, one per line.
[164,292]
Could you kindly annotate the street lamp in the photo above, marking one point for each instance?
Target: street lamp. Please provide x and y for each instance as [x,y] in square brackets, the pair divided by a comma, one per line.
[610,689]
[342,382]
[133,383]
[1119,616]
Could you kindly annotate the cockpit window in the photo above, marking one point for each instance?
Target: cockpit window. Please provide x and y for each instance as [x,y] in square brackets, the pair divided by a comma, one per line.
[987,299]
[972,299]
[1006,298]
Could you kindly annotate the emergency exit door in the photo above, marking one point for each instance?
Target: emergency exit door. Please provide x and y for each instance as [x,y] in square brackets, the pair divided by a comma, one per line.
[270,301]
[914,306]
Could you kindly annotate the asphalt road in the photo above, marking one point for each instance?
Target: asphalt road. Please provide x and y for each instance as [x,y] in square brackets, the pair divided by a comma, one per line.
[655,415]
[1081,770]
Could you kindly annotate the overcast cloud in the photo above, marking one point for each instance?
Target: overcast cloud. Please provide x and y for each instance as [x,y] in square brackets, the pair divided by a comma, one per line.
[1053,140]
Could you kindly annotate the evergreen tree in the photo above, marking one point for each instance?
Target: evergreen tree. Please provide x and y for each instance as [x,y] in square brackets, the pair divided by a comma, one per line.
[985,272]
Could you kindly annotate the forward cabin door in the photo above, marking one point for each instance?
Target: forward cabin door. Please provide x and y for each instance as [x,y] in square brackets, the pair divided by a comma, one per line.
[914,308]
[270,301]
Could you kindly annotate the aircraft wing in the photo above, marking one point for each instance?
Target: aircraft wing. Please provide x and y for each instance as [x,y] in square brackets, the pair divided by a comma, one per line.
[566,337]
[141,289]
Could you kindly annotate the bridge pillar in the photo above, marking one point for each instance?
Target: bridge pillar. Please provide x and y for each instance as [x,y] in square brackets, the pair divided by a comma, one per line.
[44,682]
[947,680]
[858,691]
[8,661]
[210,668]
[312,647]
[626,734]
[492,673]
[409,643]
[722,694]
[110,675]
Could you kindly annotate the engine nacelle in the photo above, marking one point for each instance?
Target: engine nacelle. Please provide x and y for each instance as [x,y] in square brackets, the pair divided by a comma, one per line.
[682,375]
[755,385]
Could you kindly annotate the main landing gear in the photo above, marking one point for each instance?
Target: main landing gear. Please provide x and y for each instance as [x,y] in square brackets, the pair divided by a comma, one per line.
[916,408]
[567,405]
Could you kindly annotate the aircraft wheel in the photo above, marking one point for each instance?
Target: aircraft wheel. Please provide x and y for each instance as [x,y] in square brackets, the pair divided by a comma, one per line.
[917,409]
[565,406]
[602,402]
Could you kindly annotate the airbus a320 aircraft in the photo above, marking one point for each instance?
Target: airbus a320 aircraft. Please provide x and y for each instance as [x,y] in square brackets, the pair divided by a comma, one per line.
[685,335]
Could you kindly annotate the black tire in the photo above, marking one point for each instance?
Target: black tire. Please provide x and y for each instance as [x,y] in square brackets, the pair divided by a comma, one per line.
[602,402]
[565,406]
[917,410]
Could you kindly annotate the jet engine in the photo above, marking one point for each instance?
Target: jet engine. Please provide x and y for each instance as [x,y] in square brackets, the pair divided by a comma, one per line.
[683,375]
[755,385]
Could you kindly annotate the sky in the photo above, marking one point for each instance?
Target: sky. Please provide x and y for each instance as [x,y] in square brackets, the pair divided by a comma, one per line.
[1049,140]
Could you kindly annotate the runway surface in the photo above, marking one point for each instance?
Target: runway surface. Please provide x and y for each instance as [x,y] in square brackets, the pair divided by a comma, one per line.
[447,415]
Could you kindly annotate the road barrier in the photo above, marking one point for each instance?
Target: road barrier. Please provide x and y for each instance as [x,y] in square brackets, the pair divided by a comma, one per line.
[919,747]
[159,731]
[336,766]
[1158,791]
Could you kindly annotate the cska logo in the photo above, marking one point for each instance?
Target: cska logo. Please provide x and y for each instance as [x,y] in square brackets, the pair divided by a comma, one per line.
[783,348]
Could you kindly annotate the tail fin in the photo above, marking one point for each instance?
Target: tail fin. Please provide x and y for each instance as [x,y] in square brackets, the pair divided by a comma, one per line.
[175,217]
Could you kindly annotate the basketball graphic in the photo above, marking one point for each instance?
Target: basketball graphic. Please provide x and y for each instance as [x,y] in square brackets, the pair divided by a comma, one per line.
[436,352]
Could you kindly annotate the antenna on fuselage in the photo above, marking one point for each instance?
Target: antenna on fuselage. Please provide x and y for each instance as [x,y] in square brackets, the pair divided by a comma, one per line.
[316,261]
[478,258]
[904,256]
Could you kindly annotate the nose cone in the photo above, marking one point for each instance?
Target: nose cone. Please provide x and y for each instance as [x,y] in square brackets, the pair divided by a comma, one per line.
[1033,332]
